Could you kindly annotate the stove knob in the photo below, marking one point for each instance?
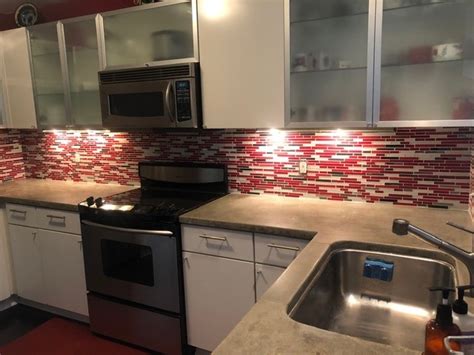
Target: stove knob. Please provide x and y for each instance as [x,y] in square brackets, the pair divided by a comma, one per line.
[99,202]
[90,201]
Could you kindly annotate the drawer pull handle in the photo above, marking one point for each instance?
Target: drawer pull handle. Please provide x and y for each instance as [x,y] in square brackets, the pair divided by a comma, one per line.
[18,211]
[51,216]
[277,246]
[220,239]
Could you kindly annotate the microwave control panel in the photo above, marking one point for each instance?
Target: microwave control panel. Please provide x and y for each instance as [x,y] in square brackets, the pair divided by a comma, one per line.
[183,100]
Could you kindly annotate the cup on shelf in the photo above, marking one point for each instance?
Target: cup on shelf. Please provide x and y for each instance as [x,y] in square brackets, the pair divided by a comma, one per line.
[312,113]
[344,64]
[300,62]
[447,51]
[324,61]
[463,108]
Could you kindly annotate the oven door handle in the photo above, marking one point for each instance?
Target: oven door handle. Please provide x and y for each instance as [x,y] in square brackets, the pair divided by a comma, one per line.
[129,230]
[171,111]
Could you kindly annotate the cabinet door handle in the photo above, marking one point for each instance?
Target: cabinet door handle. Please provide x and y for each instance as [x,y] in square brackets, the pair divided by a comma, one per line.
[210,237]
[80,244]
[277,246]
[52,216]
[18,211]
[34,236]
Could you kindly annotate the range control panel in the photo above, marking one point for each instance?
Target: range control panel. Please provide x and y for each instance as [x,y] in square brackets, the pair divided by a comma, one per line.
[183,100]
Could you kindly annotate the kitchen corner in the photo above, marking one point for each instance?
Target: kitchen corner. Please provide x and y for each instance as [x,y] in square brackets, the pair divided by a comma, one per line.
[336,225]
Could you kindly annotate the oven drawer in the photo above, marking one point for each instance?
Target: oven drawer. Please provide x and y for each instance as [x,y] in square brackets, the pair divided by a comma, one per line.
[276,250]
[218,242]
[61,221]
[151,330]
[22,215]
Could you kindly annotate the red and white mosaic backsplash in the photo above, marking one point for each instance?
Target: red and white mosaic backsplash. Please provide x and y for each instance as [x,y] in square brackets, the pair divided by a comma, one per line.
[11,157]
[425,167]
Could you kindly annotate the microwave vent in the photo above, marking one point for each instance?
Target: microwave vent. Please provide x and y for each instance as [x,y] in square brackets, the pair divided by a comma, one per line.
[147,74]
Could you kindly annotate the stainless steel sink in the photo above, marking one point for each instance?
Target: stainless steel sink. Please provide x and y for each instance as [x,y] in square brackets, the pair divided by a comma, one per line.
[352,294]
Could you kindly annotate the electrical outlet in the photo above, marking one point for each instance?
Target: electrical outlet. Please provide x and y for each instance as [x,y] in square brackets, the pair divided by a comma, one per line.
[303,167]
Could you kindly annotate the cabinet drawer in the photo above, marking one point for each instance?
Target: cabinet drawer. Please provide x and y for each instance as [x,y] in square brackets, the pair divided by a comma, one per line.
[276,250]
[219,242]
[22,215]
[58,220]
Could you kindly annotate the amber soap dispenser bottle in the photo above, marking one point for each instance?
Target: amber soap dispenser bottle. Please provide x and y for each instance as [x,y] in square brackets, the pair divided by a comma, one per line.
[442,326]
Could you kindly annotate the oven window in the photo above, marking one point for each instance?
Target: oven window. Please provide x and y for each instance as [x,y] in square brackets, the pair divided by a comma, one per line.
[127,262]
[147,104]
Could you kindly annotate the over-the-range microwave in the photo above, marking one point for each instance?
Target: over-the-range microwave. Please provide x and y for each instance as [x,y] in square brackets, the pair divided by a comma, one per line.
[151,97]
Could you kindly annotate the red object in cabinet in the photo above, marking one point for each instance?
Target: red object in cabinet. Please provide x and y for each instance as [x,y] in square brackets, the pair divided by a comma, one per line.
[419,55]
[389,110]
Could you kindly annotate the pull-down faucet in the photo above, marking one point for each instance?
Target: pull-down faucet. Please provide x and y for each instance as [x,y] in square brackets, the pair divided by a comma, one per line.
[403,227]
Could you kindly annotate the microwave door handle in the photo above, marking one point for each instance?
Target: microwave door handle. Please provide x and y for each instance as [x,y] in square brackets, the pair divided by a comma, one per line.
[169,106]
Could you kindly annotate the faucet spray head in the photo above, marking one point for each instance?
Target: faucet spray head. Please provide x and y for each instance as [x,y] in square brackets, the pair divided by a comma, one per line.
[400,226]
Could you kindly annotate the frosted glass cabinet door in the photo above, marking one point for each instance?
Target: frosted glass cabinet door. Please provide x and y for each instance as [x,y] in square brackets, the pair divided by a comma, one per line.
[47,75]
[2,106]
[328,49]
[427,62]
[83,64]
[153,33]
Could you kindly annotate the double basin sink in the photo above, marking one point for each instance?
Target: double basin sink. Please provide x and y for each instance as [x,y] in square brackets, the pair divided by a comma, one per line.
[377,296]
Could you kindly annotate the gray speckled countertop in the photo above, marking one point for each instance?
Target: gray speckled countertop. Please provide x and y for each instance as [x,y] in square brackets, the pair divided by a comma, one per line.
[63,195]
[267,328]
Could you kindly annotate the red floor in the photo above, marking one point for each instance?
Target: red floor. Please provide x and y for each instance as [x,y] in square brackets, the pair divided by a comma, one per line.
[62,337]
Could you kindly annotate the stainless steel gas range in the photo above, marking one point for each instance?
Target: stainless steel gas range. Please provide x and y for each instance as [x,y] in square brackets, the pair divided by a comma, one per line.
[132,254]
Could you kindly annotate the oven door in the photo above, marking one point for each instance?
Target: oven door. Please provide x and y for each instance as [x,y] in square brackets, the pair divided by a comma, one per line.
[140,266]
[147,104]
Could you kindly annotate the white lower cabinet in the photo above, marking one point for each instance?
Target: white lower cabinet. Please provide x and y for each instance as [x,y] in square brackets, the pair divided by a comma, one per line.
[219,292]
[265,276]
[48,263]
[63,269]
[27,263]
[225,272]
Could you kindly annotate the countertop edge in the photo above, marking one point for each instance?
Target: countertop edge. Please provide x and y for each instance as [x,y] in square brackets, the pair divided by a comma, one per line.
[253,228]
[40,203]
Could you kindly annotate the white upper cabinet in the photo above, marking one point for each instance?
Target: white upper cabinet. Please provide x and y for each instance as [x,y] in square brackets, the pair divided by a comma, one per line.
[161,33]
[2,84]
[425,63]
[242,63]
[17,106]
[388,63]
[330,63]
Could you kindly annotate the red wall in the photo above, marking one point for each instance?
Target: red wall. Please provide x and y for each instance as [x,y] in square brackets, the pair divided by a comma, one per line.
[52,10]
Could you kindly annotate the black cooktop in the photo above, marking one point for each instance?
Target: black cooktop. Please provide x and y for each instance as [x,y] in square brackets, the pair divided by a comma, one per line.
[157,202]
[167,191]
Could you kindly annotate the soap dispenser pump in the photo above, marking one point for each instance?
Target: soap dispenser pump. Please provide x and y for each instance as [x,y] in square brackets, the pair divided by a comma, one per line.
[442,326]
[463,318]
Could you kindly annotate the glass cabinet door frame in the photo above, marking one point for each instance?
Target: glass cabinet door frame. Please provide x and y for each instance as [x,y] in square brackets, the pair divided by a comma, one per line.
[65,68]
[102,40]
[69,124]
[60,36]
[379,15]
[369,84]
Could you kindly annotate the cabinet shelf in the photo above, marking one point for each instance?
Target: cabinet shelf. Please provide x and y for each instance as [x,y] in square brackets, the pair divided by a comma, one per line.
[325,18]
[328,70]
[400,65]
[420,5]
[348,15]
